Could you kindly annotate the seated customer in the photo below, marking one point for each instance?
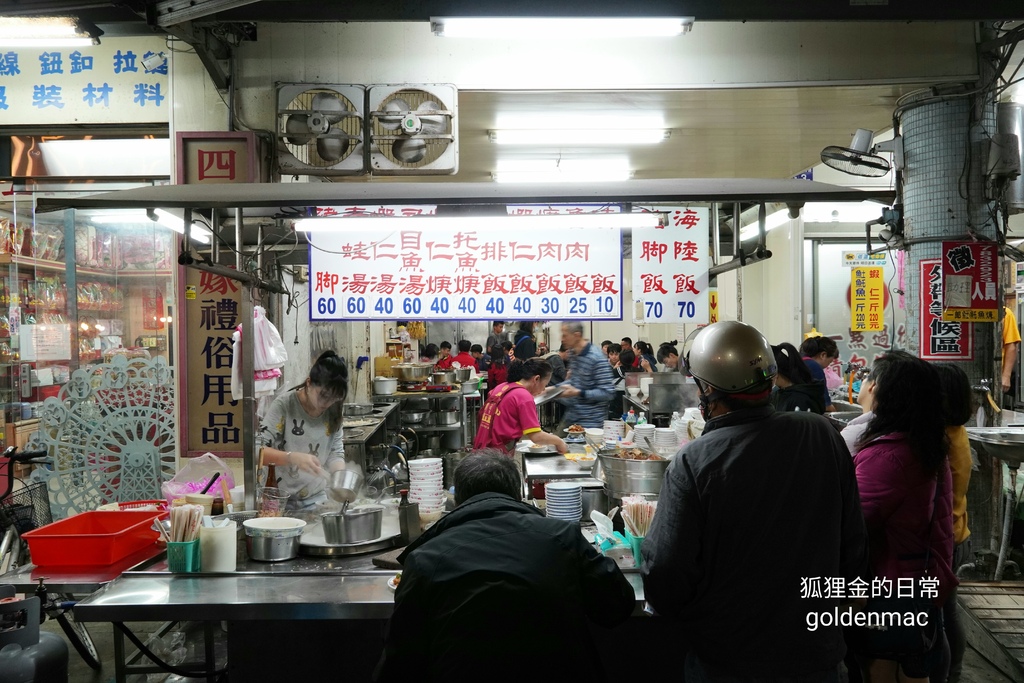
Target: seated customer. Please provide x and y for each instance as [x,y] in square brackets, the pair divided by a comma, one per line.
[496,584]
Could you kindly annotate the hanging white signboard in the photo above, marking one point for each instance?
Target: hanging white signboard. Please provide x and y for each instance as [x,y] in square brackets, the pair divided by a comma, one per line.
[670,267]
[448,272]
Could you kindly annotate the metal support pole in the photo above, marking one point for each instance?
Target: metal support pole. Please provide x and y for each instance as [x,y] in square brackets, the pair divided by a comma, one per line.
[716,235]
[214,242]
[248,367]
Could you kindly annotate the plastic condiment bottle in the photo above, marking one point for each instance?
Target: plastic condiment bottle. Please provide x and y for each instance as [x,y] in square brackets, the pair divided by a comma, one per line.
[631,417]
[408,518]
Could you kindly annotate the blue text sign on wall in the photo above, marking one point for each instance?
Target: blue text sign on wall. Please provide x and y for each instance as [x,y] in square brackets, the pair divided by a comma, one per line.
[123,80]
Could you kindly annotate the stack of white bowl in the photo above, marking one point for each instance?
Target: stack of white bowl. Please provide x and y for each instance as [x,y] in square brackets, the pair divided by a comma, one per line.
[564,500]
[641,431]
[426,484]
[614,430]
[666,441]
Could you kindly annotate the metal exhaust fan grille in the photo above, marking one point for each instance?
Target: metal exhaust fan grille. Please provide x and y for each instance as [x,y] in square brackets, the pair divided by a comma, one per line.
[853,162]
[412,128]
[319,129]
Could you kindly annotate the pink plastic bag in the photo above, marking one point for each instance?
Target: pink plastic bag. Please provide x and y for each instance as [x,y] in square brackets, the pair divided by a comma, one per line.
[195,475]
[833,380]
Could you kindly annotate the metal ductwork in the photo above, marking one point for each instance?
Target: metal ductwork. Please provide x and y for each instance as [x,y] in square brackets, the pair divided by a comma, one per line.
[1010,121]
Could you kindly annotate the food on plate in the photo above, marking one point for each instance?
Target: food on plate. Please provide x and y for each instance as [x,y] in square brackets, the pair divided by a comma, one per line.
[397,579]
[575,429]
[638,454]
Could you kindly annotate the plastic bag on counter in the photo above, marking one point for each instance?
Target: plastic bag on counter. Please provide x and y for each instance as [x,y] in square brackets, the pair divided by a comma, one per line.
[195,475]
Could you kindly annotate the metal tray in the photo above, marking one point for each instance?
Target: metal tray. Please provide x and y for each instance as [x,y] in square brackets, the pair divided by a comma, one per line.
[550,394]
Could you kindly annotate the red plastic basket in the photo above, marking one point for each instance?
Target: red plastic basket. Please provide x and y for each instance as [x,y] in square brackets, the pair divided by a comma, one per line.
[92,538]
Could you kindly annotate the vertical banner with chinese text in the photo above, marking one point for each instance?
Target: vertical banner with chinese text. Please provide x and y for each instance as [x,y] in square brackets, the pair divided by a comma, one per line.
[969,279]
[214,420]
[940,339]
[670,267]
[867,299]
[210,420]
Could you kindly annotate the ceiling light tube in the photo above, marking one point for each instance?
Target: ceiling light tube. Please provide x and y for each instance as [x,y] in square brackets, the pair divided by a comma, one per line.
[597,175]
[62,31]
[177,224]
[560,27]
[164,218]
[587,220]
[771,222]
[578,136]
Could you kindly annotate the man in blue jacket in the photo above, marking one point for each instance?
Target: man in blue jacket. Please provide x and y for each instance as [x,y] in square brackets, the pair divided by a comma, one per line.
[591,384]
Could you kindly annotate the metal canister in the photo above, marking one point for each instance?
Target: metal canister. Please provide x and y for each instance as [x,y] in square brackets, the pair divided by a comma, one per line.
[408,519]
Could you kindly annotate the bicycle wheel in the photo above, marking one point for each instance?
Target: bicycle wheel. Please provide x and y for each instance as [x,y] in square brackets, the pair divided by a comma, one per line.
[80,638]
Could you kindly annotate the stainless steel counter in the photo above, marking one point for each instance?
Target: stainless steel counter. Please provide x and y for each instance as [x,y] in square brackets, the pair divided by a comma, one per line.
[553,467]
[365,433]
[252,597]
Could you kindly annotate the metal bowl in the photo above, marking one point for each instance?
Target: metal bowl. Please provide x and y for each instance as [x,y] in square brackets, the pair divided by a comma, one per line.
[343,486]
[270,549]
[463,374]
[412,372]
[357,409]
[414,417]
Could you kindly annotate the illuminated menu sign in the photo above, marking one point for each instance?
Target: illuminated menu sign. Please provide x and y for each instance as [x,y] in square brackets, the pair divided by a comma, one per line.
[455,273]
[670,268]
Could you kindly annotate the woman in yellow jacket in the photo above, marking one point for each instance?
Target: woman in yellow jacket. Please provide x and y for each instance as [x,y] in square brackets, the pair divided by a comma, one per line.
[956,389]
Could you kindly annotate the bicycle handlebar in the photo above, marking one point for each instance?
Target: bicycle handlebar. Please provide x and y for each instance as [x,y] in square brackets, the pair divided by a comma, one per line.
[25,456]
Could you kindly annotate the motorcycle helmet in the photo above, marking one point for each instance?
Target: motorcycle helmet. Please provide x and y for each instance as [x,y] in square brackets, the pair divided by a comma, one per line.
[730,356]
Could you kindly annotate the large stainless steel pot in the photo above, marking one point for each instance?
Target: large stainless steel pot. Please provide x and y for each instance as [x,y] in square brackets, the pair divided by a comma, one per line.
[446,417]
[624,477]
[414,417]
[353,526]
[412,372]
[451,461]
[463,374]
[443,377]
[594,498]
[357,409]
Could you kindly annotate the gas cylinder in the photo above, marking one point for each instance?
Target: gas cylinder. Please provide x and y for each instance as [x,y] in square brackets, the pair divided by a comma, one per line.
[26,654]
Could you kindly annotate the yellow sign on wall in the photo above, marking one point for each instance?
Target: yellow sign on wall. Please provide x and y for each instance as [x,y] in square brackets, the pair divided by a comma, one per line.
[712,305]
[867,299]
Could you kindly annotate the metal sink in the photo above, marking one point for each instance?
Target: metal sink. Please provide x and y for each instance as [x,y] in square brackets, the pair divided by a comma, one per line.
[1004,443]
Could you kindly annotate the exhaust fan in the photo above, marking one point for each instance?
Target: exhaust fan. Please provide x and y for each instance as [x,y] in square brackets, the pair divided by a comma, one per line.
[320,129]
[857,159]
[413,129]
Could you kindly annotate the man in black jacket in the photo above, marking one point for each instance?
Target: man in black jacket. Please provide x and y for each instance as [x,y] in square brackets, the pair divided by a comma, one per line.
[758,529]
[495,591]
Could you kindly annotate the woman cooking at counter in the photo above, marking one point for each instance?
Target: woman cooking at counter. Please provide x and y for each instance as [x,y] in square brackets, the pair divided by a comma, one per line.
[510,413]
[301,433]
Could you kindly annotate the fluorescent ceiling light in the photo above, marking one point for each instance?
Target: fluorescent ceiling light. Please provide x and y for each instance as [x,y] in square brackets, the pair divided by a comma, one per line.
[773,221]
[164,218]
[47,32]
[579,170]
[586,220]
[560,27]
[578,136]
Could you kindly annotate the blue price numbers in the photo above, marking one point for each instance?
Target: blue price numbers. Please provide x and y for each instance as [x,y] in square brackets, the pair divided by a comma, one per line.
[467,304]
[384,306]
[605,304]
[653,309]
[439,306]
[687,309]
[495,305]
[355,305]
[548,305]
[522,304]
[326,306]
[411,306]
[577,305]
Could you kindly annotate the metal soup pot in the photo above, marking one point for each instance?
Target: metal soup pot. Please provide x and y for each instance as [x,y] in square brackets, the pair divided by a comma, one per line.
[353,526]
[463,374]
[624,477]
[384,386]
[443,377]
[447,417]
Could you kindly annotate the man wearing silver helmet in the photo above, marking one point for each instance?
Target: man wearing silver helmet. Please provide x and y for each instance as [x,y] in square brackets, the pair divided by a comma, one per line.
[758,528]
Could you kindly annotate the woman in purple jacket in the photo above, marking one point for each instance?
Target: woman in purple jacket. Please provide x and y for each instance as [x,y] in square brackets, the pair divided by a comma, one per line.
[900,462]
